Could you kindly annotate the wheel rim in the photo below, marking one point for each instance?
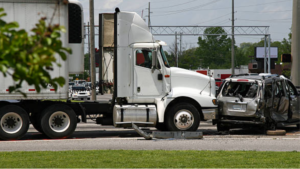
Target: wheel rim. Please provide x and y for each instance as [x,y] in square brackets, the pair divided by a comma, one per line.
[11,122]
[183,119]
[59,121]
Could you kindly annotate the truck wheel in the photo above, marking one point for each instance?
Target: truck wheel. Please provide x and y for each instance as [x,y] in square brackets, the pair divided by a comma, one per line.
[183,117]
[58,121]
[14,122]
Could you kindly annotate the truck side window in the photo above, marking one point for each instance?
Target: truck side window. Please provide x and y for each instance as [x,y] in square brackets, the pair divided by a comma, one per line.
[144,58]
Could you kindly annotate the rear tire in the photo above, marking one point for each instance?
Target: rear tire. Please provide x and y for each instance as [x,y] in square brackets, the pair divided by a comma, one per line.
[183,117]
[58,121]
[14,122]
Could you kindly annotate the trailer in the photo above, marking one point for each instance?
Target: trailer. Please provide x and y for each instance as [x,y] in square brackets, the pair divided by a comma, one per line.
[147,91]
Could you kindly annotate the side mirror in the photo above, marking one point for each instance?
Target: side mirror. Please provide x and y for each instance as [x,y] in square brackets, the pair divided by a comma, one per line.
[154,59]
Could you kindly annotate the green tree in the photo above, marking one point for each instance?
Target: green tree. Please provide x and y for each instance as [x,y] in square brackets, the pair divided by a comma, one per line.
[214,51]
[29,58]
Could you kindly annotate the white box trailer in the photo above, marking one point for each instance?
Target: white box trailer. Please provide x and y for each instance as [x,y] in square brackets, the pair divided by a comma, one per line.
[147,91]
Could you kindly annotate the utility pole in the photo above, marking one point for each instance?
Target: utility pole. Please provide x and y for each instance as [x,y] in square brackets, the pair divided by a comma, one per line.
[176,53]
[180,41]
[89,49]
[149,15]
[296,43]
[232,40]
[92,50]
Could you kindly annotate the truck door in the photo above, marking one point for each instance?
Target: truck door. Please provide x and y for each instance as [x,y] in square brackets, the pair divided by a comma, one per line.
[147,80]
[294,101]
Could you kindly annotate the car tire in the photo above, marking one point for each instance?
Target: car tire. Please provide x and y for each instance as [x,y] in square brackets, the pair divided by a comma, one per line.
[58,121]
[14,122]
[183,117]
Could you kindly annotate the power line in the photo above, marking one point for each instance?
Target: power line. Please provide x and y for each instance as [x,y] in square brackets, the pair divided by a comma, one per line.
[175,5]
[243,6]
[186,9]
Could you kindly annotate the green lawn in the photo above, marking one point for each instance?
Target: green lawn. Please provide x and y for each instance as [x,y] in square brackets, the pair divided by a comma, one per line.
[149,159]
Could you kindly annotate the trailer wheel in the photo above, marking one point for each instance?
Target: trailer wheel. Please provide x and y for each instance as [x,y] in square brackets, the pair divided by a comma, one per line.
[14,122]
[183,117]
[58,121]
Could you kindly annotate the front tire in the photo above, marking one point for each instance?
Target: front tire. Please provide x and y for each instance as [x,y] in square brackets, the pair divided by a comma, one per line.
[183,117]
[14,122]
[58,121]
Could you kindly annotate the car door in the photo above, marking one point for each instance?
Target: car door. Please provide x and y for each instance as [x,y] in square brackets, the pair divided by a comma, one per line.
[147,81]
[280,102]
[294,101]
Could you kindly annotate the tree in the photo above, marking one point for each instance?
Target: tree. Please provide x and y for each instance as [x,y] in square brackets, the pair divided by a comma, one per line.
[29,58]
[214,51]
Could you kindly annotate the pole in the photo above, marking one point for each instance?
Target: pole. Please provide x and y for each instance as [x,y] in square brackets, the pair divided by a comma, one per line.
[176,53]
[89,49]
[265,56]
[180,41]
[232,40]
[92,51]
[269,54]
[296,43]
[149,15]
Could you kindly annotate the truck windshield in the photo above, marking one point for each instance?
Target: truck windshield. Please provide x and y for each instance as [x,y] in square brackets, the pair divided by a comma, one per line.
[244,89]
[164,57]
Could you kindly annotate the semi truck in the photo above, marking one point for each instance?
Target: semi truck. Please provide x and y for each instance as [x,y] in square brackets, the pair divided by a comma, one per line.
[147,91]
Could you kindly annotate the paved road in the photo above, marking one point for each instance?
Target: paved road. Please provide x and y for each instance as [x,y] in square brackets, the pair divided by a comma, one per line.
[94,137]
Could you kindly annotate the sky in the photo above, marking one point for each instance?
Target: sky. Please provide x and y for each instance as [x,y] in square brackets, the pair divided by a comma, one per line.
[274,13]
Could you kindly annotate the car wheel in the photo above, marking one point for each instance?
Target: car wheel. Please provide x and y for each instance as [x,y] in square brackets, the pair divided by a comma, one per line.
[58,121]
[183,117]
[298,126]
[14,122]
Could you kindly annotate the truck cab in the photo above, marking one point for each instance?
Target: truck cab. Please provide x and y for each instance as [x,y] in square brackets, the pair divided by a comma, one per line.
[144,77]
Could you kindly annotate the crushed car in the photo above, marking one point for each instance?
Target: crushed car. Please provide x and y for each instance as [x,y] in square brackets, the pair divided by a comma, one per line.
[262,100]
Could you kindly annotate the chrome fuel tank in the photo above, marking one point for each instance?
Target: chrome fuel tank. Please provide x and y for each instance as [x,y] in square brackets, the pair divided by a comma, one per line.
[142,115]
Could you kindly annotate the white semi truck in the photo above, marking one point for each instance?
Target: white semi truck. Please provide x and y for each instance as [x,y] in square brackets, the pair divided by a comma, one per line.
[147,91]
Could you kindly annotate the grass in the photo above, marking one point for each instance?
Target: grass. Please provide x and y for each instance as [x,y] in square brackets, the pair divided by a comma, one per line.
[149,159]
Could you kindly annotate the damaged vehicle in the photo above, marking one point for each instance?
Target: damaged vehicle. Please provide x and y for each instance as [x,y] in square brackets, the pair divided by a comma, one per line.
[266,101]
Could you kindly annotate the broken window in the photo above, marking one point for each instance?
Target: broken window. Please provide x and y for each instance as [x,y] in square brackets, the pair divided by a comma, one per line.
[244,89]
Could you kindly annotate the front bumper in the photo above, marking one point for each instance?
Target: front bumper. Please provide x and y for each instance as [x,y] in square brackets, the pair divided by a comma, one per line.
[210,113]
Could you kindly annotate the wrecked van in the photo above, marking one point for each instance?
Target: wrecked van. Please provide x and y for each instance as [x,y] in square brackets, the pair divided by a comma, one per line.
[262,100]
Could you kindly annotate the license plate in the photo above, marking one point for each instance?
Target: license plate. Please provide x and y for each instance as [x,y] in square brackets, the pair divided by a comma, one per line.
[237,107]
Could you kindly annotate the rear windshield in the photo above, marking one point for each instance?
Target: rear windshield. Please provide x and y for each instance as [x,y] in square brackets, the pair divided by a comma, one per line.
[244,89]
